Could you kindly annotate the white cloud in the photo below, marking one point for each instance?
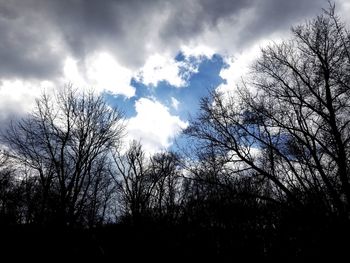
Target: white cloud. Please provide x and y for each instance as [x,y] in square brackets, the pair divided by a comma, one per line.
[164,67]
[106,74]
[197,51]
[343,7]
[72,74]
[175,103]
[153,125]
[138,39]
[100,71]
[161,68]
[238,67]
[18,97]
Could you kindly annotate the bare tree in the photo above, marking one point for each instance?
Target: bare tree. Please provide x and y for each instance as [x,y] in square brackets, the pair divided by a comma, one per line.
[148,187]
[165,171]
[9,199]
[292,130]
[66,140]
[133,181]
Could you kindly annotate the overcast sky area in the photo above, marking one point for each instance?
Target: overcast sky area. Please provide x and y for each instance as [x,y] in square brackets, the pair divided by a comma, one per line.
[154,59]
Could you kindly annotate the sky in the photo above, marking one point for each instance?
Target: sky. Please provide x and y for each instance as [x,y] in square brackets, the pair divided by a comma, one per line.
[153,59]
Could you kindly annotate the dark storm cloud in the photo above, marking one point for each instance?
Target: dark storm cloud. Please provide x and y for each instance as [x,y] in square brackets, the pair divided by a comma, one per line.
[271,16]
[27,47]
[186,21]
[130,29]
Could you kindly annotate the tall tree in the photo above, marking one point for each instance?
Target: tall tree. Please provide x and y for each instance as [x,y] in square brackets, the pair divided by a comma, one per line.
[165,171]
[134,184]
[148,187]
[66,140]
[290,125]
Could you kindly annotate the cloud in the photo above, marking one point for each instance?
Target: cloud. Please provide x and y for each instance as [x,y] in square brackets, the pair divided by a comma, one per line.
[37,35]
[198,50]
[104,44]
[175,103]
[166,68]
[160,68]
[106,74]
[153,125]
[343,7]
[18,97]
[100,72]
[30,46]
[239,66]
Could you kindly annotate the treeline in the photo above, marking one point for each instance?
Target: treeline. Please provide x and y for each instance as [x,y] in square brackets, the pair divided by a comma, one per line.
[265,169]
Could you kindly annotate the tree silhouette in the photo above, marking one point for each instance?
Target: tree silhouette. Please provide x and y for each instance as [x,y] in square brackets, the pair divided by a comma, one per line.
[133,181]
[149,187]
[290,124]
[10,198]
[165,170]
[65,144]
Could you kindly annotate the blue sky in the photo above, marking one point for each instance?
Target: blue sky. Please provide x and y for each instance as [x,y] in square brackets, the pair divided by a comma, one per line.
[153,59]
[178,100]
[197,86]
